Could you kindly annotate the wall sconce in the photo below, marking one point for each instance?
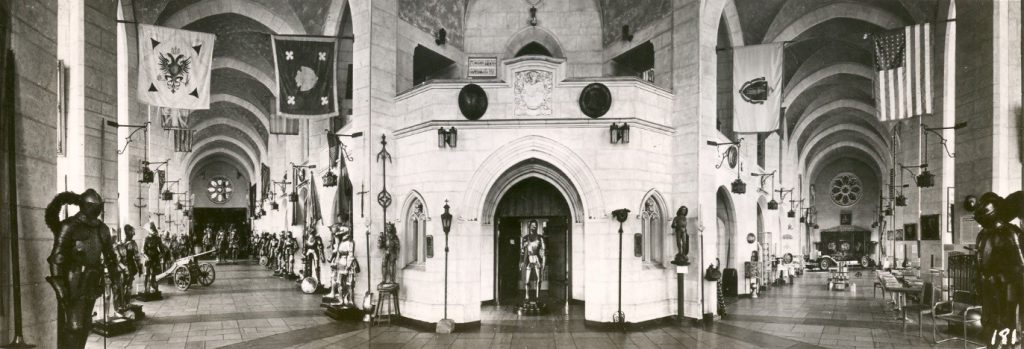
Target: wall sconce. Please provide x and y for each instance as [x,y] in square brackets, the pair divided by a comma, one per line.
[619,134]
[626,35]
[738,187]
[791,213]
[732,154]
[533,14]
[942,140]
[293,197]
[178,206]
[146,175]
[901,200]
[773,205]
[924,180]
[128,140]
[167,195]
[274,206]
[449,137]
[441,37]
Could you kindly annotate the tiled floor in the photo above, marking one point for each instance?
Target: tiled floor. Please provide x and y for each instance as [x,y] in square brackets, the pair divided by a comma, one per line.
[248,308]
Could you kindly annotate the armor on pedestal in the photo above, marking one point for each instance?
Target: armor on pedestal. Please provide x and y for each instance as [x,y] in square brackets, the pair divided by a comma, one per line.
[682,237]
[130,265]
[313,255]
[389,243]
[153,248]
[82,249]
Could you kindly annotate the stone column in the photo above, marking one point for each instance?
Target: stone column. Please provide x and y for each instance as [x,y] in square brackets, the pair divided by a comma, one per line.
[988,98]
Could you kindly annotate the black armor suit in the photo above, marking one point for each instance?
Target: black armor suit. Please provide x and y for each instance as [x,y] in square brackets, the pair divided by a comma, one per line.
[130,265]
[82,248]
[1000,262]
[154,251]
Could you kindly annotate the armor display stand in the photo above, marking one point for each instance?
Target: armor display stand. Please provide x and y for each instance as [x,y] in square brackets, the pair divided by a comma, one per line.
[388,242]
[110,326]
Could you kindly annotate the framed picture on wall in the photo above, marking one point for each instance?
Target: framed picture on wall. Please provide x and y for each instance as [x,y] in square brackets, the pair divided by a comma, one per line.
[930,227]
[845,218]
[899,235]
[910,232]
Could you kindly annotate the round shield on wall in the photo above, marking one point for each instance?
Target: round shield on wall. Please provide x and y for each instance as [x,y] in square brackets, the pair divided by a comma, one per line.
[732,155]
[595,100]
[472,101]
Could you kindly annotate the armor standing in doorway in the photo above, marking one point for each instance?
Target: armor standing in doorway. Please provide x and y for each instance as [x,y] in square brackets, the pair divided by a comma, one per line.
[532,259]
[82,248]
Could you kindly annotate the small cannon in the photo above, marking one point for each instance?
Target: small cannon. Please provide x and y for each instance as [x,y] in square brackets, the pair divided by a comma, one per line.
[187,271]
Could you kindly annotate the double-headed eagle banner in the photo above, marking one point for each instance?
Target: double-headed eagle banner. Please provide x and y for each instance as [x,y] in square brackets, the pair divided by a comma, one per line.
[174,67]
[306,76]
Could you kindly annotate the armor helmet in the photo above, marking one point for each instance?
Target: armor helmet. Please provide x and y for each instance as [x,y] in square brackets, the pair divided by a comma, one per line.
[91,203]
[129,232]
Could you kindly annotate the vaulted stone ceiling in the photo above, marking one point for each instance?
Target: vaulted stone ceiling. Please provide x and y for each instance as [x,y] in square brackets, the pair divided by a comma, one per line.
[829,69]
[235,129]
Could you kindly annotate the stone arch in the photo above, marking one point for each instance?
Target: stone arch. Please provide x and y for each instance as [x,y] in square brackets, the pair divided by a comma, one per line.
[879,159]
[228,144]
[253,155]
[726,227]
[732,21]
[242,160]
[244,128]
[252,108]
[536,148]
[533,34]
[654,193]
[415,246]
[807,119]
[836,69]
[532,168]
[665,214]
[410,199]
[866,13]
[245,68]
[280,23]
[874,140]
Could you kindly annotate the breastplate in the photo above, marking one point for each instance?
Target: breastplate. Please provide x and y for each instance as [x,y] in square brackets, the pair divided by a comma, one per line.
[87,249]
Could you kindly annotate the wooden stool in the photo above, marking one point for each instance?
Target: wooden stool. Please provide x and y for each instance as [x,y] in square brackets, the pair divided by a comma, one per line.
[389,297]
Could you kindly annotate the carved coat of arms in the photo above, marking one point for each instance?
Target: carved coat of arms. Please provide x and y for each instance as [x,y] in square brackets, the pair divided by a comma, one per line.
[532,89]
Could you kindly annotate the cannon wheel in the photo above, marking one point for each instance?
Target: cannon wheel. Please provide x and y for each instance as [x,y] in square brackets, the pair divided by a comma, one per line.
[207,274]
[824,263]
[182,278]
[866,262]
[264,261]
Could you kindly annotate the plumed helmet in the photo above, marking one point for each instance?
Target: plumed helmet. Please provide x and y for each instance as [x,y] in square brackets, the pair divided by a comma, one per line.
[90,196]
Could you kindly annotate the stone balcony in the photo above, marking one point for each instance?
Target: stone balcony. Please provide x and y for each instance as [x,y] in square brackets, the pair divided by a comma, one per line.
[435,102]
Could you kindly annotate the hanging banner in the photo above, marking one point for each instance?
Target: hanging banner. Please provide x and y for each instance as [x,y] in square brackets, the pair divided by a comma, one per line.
[306,76]
[174,118]
[174,67]
[183,140]
[757,80]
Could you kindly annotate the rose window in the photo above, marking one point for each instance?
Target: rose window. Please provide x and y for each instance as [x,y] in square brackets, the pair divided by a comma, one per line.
[219,190]
[846,189]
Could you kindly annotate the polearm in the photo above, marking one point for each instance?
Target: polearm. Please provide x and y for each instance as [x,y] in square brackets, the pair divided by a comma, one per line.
[12,201]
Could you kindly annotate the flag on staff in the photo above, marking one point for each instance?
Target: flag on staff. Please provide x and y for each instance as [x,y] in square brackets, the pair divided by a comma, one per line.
[757,77]
[341,212]
[306,75]
[174,118]
[174,67]
[265,181]
[280,125]
[313,213]
[183,140]
[903,61]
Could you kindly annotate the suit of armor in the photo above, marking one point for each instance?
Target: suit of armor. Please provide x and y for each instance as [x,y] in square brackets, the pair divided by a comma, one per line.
[154,251]
[532,259]
[313,254]
[82,248]
[208,236]
[272,248]
[168,251]
[345,266]
[291,246]
[389,243]
[130,265]
[1000,262]
[233,245]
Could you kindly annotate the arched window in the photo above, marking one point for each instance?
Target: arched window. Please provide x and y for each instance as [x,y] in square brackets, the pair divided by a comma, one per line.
[415,232]
[652,223]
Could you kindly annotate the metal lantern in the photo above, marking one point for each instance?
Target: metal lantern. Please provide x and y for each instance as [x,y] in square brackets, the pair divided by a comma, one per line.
[441,134]
[624,133]
[791,214]
[145,174]
[901,200]
[167,195]
[925,179]
[453,137]
[738,186]
[773,205]
[803,219]
[178,206]
[446,220]
[330,179]
[274,206]
[263,212]
[293,197]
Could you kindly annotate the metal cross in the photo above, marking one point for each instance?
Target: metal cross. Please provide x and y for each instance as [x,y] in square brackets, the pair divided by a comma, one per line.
[362,202]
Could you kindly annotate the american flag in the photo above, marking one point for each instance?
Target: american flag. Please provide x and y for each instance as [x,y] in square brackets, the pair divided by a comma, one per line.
[183,140]
[903,60]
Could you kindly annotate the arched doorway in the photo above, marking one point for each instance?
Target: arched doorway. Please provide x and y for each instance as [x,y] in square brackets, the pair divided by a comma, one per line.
[533,200]
[725,218]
